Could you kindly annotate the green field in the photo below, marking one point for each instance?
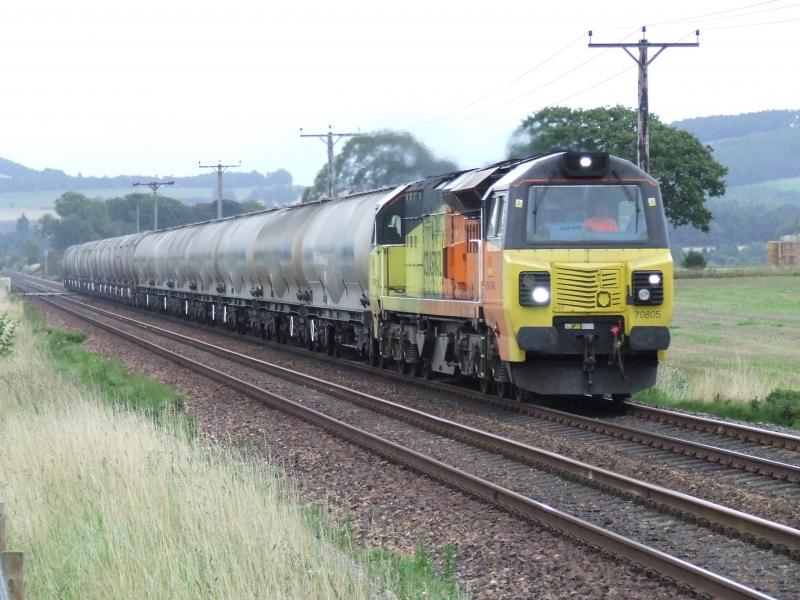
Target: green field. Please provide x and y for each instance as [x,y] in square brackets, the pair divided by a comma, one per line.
[734,340]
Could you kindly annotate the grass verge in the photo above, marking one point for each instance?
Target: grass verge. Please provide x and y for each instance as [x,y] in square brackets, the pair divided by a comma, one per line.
[735,349]
[108,378]
[779,407]
[108,502]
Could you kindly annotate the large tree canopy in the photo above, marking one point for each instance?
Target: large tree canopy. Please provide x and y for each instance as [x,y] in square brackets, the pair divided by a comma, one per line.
[377,160]
[684,167]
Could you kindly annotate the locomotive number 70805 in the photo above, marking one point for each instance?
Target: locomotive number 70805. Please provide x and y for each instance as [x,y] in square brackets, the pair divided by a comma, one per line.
[648,314]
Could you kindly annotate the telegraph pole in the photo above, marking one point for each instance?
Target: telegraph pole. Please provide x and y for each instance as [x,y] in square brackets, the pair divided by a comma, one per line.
[153,185]
[328,138]
[643,143]
[220,170]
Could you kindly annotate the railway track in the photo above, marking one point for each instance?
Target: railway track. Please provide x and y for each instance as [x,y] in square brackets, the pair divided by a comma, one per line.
[595,489]
[770,464]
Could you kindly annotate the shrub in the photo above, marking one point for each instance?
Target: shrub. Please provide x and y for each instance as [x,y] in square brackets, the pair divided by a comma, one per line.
[7,327]
[694,260]
[784,405]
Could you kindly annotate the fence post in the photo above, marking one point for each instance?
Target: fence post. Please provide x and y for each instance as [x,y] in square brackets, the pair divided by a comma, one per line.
[2,527]
[11,564]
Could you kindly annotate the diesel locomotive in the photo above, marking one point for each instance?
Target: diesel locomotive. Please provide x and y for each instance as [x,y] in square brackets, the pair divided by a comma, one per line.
[547,275]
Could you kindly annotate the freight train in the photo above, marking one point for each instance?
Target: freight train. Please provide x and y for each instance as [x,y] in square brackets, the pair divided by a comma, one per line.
[545,275]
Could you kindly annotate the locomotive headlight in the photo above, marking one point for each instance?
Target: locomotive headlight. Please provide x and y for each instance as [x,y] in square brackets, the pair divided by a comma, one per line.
[534,288]
[648,287]
[541,295]
[585,162]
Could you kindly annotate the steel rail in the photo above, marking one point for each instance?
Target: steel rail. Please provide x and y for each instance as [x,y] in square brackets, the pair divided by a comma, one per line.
[746,433]
[731,458]
[674,569]
[763,531]
[689,421]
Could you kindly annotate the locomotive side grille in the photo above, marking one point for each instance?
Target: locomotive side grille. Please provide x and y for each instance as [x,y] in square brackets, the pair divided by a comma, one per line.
[587,289]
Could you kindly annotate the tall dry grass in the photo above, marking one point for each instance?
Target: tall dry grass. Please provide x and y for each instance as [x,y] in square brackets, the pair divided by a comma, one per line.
[106,504]
[735,379]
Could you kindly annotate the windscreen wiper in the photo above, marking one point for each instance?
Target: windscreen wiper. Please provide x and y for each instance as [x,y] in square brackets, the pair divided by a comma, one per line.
[630,197]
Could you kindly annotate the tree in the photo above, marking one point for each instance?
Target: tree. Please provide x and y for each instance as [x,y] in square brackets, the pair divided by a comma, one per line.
[30,251]
[381,159]
[23,225]
[693,260]
[684,167]
[80,220]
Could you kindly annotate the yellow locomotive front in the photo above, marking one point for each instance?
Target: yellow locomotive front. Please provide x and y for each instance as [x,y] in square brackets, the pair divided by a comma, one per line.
[577,275]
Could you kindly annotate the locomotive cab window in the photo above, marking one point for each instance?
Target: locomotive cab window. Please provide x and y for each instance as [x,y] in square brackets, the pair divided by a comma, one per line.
[585,213]
[496,216]
[390,227]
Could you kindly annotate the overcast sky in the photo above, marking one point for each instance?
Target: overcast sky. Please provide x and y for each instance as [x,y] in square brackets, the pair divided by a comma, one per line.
[106,87]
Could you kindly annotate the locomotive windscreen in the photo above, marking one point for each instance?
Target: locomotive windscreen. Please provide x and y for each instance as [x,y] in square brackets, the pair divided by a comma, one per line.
[585,213]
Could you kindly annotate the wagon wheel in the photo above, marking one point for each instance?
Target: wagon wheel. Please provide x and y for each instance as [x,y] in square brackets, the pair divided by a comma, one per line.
[330,341]
[416,368]
[427,369]
[486,384]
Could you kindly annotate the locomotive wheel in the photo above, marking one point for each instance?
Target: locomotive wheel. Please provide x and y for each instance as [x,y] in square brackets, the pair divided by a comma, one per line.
[501,388]
[521,395]
[401,366]
[374,355]
[486,384]
[619,402]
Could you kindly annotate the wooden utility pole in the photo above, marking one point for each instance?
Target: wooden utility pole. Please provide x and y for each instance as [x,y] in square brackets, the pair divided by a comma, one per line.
[220,170]
[643,125]
[12,566]
[153,185]
[329,139]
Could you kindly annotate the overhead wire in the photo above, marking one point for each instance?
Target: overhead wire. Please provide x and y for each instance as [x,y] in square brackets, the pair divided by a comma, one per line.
[745,25]
[749,14]
[692,18]
[544,85]
[574,94]
[507,84]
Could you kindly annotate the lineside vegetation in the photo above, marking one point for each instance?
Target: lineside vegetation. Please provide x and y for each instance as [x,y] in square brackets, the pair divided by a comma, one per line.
[111,494]
[735,348]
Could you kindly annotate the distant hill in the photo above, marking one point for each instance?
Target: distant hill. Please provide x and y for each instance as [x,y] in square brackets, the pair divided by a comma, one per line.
[271,188]
[755,147]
